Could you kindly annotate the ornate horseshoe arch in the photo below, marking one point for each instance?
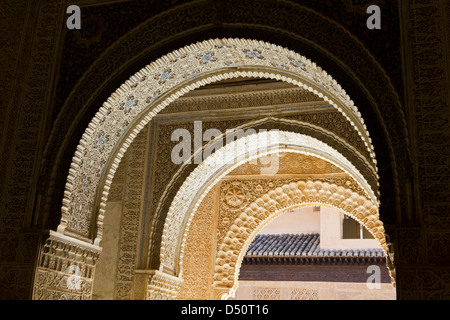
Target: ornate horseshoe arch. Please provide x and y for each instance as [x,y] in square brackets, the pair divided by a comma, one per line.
[268,207]
[217,166]
[231,250]
[139,99]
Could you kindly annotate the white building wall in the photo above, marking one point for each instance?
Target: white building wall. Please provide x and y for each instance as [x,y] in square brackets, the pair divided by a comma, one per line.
[303,220]
[327,222]
[331,233]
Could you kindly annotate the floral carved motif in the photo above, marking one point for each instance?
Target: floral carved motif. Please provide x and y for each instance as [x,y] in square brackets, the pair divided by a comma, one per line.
[198,259]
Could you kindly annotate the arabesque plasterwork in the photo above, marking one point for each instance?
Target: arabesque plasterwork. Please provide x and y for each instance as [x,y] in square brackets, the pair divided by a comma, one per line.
[141,98]
[218,165]
[312,118]
[260,212]
[138,100]
[243,202]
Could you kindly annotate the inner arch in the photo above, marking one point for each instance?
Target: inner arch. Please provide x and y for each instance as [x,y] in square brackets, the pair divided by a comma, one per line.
[367,216]
[150,90]
[293,231]
[217,166]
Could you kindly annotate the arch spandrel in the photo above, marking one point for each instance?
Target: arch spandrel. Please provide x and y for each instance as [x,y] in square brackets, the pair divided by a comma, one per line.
[137,101]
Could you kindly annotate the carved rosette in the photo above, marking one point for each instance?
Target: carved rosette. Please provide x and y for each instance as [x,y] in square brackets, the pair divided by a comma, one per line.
[65,269]
[257,187]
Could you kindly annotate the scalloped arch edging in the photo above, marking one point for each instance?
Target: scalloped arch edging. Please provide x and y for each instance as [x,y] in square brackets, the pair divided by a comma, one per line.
[258,214]
[150,90]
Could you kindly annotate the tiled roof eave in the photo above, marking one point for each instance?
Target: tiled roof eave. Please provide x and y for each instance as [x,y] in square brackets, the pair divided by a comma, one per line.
[302,260]
[304,246]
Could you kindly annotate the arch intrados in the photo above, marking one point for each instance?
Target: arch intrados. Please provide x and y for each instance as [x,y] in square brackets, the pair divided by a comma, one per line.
[319,83]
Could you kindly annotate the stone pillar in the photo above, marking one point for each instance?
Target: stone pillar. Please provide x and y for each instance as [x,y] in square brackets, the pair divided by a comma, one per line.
[156,285]
[65,269]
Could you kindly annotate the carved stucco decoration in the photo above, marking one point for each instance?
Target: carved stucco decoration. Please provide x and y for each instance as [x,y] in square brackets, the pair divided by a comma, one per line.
[162,286]
[219,164]
[255,216]
[346,148]
[61,260]
[215,213]
[140,98]
[291,164]
[199,247]
[255,187]
[156,285]
[319,184]
[165,186]
[329,127]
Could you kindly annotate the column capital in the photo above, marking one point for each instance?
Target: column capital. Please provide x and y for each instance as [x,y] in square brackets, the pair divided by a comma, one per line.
[65,269]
